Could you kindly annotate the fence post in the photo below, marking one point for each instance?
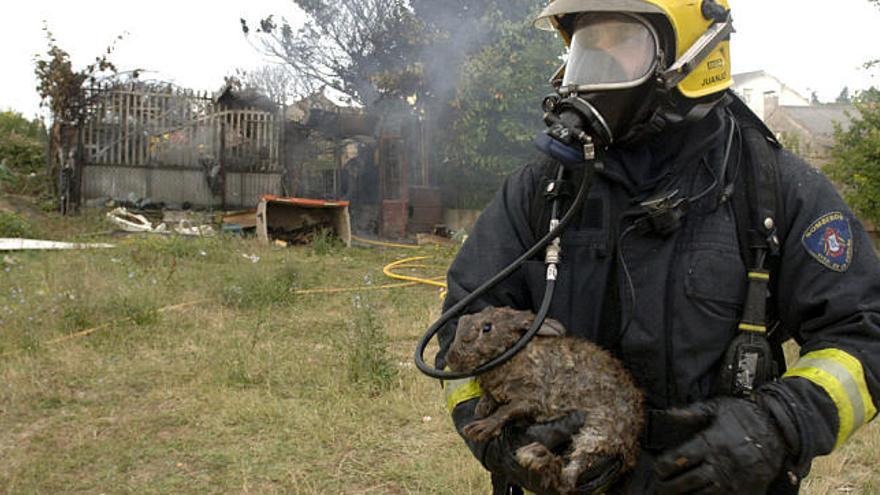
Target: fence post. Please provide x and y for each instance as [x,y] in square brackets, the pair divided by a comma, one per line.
[222,161]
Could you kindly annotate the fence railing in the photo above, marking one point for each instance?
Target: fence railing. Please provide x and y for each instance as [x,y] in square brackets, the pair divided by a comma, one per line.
[178,146]
[178,129]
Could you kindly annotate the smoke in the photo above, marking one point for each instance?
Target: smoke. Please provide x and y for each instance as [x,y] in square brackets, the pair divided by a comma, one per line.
[455,30]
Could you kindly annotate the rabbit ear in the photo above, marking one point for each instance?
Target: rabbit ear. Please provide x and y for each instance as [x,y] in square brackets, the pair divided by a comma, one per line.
[552,328]
[519,320]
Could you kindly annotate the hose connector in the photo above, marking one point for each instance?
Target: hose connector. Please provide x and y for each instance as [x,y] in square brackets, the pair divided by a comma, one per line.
[553,255]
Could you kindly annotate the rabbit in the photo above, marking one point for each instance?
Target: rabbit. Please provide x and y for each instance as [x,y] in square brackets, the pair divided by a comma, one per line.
[554,375]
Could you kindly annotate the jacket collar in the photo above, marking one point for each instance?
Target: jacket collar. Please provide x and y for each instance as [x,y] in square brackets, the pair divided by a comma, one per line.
[666,158]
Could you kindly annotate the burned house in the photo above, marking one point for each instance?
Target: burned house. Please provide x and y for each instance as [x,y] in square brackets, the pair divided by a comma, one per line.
[174,147]
[375,160]
[178,148]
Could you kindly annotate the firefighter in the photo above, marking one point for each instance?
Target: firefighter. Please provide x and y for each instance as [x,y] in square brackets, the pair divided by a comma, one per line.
[666,292]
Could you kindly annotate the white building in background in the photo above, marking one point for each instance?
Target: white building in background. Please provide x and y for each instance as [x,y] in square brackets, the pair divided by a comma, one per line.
[756,88]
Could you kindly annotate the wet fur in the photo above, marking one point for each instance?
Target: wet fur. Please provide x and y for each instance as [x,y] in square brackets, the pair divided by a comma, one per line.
[550,378]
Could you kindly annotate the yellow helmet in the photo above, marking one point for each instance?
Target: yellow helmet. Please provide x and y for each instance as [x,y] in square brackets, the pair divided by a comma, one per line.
[700,69]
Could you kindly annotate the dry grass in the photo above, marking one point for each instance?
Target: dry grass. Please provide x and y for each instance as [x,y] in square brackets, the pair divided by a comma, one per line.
[255,390]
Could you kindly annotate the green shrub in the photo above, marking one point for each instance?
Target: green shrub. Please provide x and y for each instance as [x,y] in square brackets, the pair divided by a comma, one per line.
[78,317]
[141,313]
[259,289]
[15,123]
[325,242]
[22,155]
[366,349]
[11,225]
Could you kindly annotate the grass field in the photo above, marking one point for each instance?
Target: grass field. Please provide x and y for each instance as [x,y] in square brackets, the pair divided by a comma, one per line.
[204,372]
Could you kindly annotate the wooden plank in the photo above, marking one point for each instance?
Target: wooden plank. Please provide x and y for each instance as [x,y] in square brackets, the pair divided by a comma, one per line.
[87,131]
[184,131]
[143,142]
[271,142]
[114,121]
[123,129]
[107,128]
[257,138]
[163,124]
[134,125]
[156,126]
[99,129]
[126,128]
[275,145]
[145,128]
[240,136]
[232,142]
[267,138]
[193,134]
[139,129]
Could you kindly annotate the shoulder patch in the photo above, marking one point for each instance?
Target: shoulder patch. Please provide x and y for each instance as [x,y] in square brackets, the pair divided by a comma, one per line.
[829,240]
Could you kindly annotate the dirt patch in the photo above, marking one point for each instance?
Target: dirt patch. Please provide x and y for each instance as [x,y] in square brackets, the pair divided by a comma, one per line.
[24,206]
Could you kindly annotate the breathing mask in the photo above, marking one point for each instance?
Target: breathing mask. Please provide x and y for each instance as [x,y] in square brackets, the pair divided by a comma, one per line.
[611,57]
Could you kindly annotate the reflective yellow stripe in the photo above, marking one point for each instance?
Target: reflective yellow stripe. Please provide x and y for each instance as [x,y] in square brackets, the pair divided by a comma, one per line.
[752,328]
[759,275]
[458,391]
[842,377]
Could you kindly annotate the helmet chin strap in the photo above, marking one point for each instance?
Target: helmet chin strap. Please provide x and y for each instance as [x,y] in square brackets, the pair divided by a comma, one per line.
[671,109]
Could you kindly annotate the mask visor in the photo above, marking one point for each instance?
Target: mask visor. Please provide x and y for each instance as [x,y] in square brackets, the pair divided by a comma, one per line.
[610,51]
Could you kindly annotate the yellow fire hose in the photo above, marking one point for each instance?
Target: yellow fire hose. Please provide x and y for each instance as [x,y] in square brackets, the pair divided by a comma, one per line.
[388,270]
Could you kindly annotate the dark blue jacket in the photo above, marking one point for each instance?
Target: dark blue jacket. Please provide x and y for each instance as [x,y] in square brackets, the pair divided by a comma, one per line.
[669,306]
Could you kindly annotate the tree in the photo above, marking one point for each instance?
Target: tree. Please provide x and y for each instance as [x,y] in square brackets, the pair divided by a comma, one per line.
[22,154]
[65,92]
[498,102]
[843,98]
[871,64]
[275,81]
[361,48]
[855,162]
[473,71]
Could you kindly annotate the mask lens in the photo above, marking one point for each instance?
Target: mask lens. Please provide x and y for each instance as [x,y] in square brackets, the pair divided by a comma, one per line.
[609,48]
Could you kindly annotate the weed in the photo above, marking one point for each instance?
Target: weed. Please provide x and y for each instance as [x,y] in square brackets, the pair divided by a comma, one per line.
[243,366]
[259,289]
[11,225]
[366,349]
[325,242]
[140,312]
[76,318]
[156,250]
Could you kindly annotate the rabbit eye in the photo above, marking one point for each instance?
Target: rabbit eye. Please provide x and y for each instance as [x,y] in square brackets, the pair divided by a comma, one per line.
[487,327]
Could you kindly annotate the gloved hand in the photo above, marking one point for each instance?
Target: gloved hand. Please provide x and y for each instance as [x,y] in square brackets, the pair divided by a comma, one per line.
[498,454]
[741,450]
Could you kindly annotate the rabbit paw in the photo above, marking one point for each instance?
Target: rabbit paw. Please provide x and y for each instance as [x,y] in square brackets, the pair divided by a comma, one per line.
[482,429]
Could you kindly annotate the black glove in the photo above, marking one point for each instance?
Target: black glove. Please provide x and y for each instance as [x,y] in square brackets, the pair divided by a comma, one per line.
[498,455]
[741,450]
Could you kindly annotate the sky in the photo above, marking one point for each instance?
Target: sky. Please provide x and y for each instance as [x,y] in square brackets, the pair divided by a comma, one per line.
[811,45]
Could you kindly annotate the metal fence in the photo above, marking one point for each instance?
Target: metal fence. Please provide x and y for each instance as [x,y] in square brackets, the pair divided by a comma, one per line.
[177,146]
